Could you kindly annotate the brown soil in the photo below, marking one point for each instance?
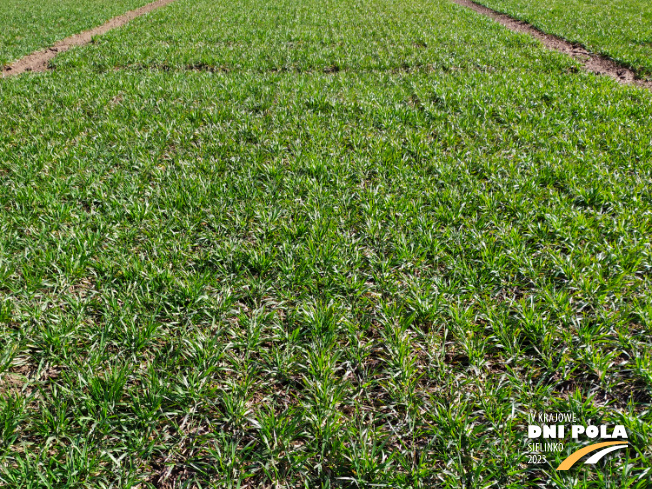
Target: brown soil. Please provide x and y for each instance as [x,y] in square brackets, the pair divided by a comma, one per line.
[39,60]
[592,62]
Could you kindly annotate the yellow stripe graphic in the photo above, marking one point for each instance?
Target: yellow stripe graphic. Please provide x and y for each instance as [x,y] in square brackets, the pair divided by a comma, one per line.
[574,457]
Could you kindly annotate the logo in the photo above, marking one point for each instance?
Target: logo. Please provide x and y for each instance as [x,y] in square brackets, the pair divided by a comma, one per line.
[553,428]
[611,446]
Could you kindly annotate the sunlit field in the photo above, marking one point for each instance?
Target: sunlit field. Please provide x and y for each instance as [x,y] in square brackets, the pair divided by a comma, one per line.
[620,29]
[319,244]
[27,25]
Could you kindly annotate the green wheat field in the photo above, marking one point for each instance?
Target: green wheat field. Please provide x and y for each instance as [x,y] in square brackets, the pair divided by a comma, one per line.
[321,244]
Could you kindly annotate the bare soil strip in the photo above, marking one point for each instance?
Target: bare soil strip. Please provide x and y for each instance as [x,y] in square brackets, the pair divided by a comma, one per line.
[594,63]
[39,60]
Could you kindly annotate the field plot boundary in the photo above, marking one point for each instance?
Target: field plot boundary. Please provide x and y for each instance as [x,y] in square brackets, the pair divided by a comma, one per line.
[38,61]
[592,62]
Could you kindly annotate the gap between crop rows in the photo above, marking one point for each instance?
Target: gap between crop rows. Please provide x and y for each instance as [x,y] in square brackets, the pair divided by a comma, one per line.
[39,60]
[594,63]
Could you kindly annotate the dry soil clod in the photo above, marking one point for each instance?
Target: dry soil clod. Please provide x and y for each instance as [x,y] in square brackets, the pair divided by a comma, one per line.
[39,60]
[594,63]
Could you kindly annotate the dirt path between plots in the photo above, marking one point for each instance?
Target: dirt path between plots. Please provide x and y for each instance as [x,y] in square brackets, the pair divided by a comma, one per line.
[39,60]
[594,63]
